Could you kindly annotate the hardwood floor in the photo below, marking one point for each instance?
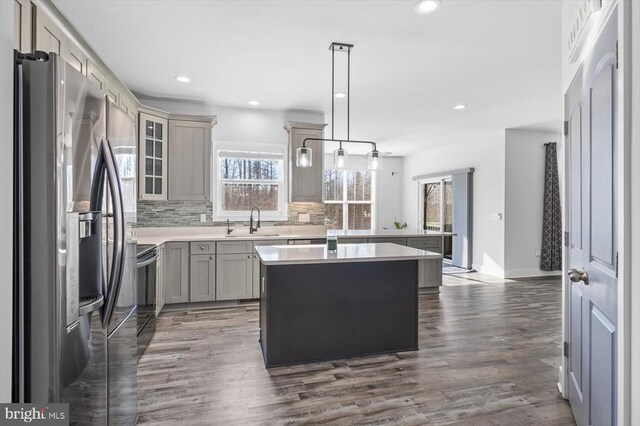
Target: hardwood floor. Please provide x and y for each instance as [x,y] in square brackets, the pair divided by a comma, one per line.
[489,355]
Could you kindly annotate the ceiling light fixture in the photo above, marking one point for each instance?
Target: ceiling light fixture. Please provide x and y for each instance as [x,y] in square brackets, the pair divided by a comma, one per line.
[254,103]
[460,106]
[303,154]
[425,7]
[182,78]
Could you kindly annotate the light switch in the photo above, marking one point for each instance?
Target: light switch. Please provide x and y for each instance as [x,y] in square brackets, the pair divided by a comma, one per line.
[304,218]
[203,218]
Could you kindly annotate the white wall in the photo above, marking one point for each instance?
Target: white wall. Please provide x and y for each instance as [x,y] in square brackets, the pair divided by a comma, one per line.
[6,194]
[254,125]
[389,192]
[524,200]
[485,153]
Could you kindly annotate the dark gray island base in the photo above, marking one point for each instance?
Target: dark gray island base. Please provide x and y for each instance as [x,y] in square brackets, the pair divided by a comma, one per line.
[320,312]
[340,307]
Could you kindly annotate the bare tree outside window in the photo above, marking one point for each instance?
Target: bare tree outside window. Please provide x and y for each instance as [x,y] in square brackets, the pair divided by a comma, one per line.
[250,180]
[348,199]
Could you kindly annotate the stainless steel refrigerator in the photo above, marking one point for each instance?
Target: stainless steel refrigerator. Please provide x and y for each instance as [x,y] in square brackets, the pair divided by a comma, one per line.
[75,269]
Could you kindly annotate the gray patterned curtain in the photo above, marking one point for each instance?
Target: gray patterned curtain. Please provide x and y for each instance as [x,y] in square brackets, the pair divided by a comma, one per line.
[551,253]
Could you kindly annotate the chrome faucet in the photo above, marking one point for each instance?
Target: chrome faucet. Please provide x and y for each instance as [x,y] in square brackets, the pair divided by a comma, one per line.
[229,230]
[251,228]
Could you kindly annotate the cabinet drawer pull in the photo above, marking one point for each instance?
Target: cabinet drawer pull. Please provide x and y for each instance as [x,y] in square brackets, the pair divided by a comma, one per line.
[249,257]
[211,257]
[203,247]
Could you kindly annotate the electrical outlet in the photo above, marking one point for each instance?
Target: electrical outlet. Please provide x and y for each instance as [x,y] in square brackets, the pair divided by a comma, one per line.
[203,218]
[304,218]
[538,253]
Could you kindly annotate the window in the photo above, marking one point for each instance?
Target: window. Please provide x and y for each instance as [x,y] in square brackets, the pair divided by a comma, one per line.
[349,199]
[438,205]
[250,178]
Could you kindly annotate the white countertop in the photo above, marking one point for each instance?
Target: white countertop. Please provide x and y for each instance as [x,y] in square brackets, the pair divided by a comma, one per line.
[347,253]
[159,236]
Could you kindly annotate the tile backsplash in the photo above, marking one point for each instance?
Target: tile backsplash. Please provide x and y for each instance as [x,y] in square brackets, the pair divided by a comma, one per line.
[187,213]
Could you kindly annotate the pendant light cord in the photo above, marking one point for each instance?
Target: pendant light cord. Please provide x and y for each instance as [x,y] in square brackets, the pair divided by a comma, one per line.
[348,89]
[333,78]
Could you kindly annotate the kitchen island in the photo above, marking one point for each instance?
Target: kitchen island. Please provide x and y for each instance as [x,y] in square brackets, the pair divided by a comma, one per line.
[318,306]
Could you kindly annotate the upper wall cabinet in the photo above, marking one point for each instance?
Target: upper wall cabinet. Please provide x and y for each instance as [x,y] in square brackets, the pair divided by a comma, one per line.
[190,158]
[152,157]
[40,26]
[22,25]
[50,37]
[306,183]
[95,75]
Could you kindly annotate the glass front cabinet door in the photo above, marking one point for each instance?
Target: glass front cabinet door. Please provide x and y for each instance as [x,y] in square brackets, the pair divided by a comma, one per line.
[153,157]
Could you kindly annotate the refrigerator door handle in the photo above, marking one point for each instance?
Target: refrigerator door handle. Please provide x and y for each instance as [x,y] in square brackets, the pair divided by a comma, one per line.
[117,266]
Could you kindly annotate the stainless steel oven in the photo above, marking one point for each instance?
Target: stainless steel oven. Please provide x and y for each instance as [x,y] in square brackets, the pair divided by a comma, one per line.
[146,261]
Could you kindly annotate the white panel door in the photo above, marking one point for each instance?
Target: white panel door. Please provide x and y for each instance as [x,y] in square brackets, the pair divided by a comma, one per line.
[592,143]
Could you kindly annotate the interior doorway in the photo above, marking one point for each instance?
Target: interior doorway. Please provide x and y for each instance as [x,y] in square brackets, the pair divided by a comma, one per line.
[446,205]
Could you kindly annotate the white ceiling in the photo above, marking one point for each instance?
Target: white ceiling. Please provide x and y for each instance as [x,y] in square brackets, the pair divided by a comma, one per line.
[500,57]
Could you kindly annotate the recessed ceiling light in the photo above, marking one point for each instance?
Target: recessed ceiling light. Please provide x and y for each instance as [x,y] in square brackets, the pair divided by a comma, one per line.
[182,78]
[254,103]
[460,106]
[425,7]
[340,95]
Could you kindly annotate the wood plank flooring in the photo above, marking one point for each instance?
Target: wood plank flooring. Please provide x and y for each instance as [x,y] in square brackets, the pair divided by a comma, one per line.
[489,355]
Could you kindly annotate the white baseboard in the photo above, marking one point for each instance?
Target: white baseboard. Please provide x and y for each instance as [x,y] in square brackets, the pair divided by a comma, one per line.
[489,270]
[530,272]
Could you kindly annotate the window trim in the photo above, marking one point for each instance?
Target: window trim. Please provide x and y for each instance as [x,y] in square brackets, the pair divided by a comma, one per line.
[283,189]
[345,196]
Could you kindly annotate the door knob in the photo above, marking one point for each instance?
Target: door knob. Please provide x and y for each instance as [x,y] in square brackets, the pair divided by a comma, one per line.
[577,276]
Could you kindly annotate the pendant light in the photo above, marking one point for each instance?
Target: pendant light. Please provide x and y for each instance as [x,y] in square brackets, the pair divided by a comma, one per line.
[374,160]
[304,154]
[304,157]
[340,158]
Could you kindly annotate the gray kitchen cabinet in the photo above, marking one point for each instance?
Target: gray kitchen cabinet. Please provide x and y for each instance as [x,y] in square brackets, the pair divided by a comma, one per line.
[426,243]
[176,273]
[96,76]
[203,247]
[306,184]
[429,271]
[189,149]
[128,105]
[152,157]
[234,276]
[113,92]
[202,278]
[392,240]
[22,25]
[255,285]
[50,37]
[235,247]
[160,280]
